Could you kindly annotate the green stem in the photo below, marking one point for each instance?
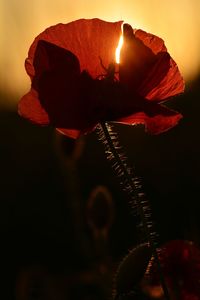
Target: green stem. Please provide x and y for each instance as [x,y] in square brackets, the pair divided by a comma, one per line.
[130,182]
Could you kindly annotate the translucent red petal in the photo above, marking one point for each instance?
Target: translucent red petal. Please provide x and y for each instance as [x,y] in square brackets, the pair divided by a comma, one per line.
[86,39]
[172,83]
[148,68]
[30,108]
[65,61]
[157,120]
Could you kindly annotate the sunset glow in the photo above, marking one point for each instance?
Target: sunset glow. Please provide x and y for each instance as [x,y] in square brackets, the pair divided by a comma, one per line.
[176,22]
[118,49]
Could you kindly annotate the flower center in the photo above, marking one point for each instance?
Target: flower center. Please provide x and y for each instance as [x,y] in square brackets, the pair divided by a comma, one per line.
[110,72]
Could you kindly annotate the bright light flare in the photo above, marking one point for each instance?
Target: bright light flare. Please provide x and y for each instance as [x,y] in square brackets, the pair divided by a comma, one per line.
[118,49]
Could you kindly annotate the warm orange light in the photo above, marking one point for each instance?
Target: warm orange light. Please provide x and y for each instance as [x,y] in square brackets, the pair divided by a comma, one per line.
[118,49]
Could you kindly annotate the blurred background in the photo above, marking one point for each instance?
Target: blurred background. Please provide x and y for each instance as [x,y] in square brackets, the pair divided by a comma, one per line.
[55,234]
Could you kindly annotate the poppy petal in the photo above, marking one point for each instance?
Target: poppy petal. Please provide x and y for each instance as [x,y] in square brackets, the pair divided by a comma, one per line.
[89,40]
[56,75]
[30,108]
[172,83]
[72,133]
[64,95]
[157,119]
[146,67]
[154,78]
[155,43]
[73,82]
[51,58]
[180,261]
[136,60]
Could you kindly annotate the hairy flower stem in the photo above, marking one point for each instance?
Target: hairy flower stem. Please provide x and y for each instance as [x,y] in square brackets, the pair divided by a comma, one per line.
[132,185]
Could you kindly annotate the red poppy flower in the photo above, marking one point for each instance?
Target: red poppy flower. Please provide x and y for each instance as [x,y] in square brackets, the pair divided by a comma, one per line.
[76,84]
[180,261]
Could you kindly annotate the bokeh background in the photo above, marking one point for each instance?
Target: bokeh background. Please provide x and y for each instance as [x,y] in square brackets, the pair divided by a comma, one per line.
[46,181]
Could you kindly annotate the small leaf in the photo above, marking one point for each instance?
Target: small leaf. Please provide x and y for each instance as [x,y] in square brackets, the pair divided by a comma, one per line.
[132,269]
